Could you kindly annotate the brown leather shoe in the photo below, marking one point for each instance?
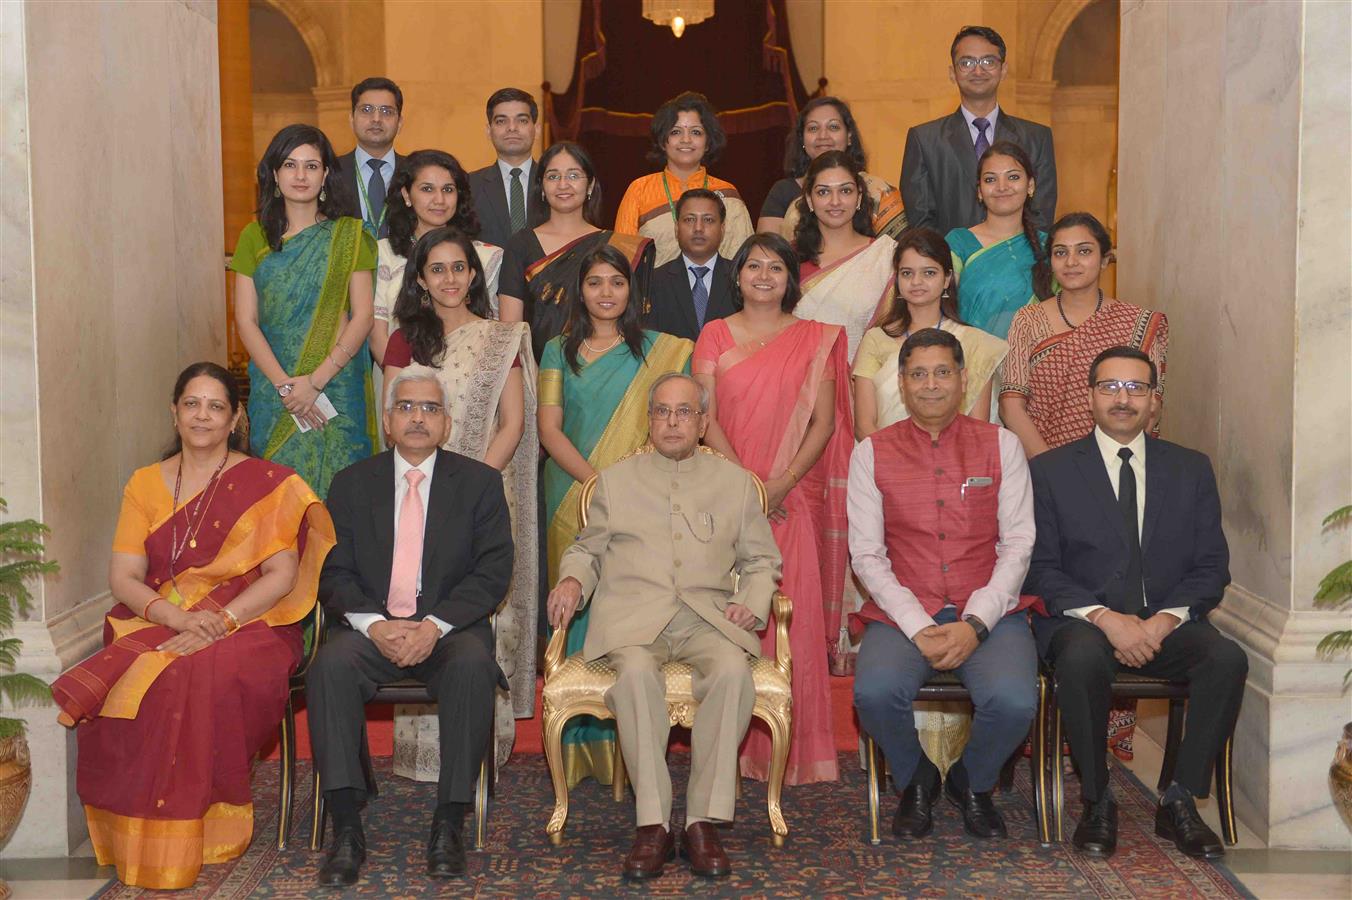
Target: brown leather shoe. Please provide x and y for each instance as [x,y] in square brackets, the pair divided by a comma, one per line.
[653,846]
[705,851]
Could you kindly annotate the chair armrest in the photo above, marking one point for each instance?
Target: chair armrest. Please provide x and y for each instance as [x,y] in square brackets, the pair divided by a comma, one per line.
[783,608]
[556,651]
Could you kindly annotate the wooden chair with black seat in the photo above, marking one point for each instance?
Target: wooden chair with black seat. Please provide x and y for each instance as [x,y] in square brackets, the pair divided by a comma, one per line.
[1127,686]
[574,687]
[946,687]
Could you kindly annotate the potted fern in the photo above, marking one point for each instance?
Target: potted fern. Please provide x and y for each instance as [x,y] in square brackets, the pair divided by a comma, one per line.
[20,561]
[1335,592]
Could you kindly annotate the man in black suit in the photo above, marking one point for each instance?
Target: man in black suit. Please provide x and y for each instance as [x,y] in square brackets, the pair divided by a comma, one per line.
[377,116]
[404,607]
[695,288]
[938,169]
[1128,572]
[502,192]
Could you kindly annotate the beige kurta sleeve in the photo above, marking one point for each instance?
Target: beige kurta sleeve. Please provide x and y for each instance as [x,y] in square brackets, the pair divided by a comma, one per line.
[759,563]
[583,559]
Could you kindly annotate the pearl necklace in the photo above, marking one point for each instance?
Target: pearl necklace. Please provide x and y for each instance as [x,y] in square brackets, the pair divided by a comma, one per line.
[613,344]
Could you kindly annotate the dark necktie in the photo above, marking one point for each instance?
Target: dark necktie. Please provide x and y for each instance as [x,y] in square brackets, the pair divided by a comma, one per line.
[1133,594]
[982,143]
[375,193]
[516,202]
[700,293]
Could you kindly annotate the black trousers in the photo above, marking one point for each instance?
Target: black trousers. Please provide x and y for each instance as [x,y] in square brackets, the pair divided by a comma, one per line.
[460,673]
[1214,667]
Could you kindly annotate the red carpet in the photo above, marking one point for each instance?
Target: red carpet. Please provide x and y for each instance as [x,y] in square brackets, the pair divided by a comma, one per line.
[380,726]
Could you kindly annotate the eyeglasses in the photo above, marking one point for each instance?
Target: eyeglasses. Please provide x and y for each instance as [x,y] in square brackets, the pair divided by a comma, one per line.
[1134,388]
[989,63]
[428,408]
[386,112]
[664,413]
[919,376]
[572,176]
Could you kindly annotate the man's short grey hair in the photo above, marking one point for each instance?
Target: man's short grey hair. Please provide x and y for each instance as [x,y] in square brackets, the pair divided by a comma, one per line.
[680,376]
[417,373]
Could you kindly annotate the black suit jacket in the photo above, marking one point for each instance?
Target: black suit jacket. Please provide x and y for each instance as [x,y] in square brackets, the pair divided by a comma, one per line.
[467,545]
[1080,555]
[938,171]
[489,195]
[672,306]
[351,191]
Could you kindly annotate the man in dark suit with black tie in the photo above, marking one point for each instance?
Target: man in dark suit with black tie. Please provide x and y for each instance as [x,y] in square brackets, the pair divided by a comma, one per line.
[377,116]
[502,192]
[1129,559]
[409,595]
[938,169]
[695,288]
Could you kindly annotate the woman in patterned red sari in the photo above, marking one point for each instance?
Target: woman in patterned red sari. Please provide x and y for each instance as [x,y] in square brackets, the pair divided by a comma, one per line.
[215,561]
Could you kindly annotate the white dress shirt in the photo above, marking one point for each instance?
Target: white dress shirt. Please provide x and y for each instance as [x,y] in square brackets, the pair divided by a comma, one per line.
[362,621]
[708,278]
[505,168]
[990,117]
[1013,548]
[1108,447]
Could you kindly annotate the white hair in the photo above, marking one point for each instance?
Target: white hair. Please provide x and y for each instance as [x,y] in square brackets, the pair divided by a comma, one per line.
[681,376]
[417,372]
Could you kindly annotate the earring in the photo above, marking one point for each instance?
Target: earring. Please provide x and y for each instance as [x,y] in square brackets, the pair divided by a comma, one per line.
[944,295]
[426,298]
[589,193]
[1030,194]
[322,195]
[276,191]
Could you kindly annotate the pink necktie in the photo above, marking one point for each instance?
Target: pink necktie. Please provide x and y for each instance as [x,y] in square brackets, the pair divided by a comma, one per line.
[408,547]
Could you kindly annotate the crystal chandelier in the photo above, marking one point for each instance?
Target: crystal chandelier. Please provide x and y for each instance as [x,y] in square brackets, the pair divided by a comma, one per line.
[678,13]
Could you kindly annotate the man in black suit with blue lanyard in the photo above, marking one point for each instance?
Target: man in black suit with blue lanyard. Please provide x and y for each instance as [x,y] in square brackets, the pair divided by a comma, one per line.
[377,116]
[1129,559]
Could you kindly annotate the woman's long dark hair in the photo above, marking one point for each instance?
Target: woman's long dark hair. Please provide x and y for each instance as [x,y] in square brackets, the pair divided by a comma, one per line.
[796,159]
[772,243]
[1016,153]
[417,317]
[238,440]
[591,207]
[931,245]
[271,209]
[579,325]
[1042,269]
[403,221]
[807,234]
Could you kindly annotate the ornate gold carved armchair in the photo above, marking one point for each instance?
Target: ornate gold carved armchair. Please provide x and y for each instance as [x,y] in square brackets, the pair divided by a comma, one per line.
[574,688]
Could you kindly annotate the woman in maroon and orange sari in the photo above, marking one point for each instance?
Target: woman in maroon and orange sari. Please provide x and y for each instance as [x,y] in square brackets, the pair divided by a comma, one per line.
[215,561]
[780,406]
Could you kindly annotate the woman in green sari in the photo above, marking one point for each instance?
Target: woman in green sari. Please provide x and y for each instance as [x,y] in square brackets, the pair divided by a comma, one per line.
[593,409]
[993,260]
[303,307]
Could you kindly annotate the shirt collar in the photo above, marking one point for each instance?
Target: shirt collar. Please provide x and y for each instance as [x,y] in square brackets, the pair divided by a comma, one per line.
[682,466]
[506,168]
[1109,446]
[362,156]
[695,180]
[401,466]
[990,117]
[688,262]
[924,432]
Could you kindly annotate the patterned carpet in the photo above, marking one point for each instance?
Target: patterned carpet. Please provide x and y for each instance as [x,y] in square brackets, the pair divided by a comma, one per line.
[826,854]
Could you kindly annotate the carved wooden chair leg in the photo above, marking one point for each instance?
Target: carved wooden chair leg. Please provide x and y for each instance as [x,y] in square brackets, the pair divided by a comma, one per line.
[553,741]
[288,773]
[774,786]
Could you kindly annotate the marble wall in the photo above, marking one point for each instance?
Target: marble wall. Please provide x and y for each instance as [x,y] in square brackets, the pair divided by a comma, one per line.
[1233,129]
[124,285]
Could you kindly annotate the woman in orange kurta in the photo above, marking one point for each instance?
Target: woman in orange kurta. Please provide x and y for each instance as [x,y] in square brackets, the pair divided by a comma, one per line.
[780,406]
[215,561]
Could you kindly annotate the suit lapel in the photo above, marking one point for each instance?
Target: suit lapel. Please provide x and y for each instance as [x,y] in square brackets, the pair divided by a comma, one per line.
[960,139]
[1158,483]
[1007,130]
[680,288]
[1089,460]
[720,294]
[438,506]
[382,519]
[495,195]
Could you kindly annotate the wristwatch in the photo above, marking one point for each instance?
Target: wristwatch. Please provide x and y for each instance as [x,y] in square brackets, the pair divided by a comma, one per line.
[982,632]
[285,390]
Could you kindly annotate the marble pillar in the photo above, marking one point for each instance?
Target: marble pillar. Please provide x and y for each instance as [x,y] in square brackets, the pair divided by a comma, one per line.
[113,281]
[1234,123]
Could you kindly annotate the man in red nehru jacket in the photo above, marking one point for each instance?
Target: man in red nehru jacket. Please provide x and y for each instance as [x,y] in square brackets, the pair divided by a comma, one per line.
[941,532]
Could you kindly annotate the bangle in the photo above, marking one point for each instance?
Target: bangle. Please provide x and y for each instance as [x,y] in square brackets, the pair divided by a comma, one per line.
[145,612]
[338,346]
[234,621]
[788,470]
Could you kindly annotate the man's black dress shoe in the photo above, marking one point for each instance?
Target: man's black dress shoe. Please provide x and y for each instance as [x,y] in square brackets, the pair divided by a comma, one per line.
[915,813]
[445,850]
[979,815]
[1096,835]
[345,859]
[1180,822]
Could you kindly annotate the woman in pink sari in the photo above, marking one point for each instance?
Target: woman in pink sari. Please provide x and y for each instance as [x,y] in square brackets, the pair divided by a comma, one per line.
[780,406]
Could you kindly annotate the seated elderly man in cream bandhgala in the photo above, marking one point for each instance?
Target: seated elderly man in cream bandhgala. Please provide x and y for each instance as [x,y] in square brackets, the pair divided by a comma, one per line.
[669,534]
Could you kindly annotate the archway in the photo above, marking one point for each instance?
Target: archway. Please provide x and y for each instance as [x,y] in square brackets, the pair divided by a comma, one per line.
[283,70]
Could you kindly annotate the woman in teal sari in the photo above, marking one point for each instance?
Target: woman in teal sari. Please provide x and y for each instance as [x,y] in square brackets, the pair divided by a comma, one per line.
[303,289]
[593,409]
[993,260]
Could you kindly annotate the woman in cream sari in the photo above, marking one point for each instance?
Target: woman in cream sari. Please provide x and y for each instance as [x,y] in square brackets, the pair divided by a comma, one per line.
[489,372]
[594,382]
[846,271]
[924,300]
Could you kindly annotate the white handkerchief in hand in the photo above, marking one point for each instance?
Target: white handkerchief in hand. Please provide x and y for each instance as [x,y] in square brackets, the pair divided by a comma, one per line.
[326,409]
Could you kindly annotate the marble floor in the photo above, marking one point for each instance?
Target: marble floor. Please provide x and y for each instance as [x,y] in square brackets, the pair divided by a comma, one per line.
[1269,874]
